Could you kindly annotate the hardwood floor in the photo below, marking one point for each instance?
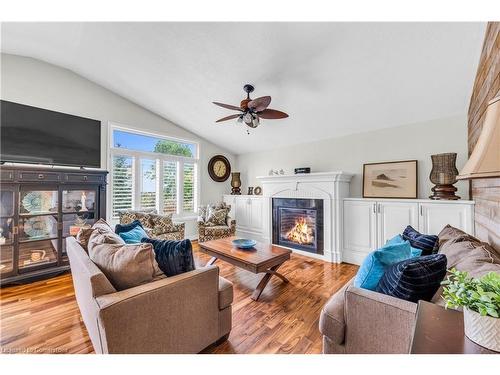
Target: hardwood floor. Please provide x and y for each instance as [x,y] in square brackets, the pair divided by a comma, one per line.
[43,317]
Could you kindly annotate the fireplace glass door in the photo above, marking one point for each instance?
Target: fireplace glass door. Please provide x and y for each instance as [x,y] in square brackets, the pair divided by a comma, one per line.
[298,227]
[298,224]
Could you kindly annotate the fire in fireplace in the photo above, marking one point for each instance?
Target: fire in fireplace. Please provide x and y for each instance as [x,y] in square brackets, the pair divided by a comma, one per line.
[298,223]
[301,233]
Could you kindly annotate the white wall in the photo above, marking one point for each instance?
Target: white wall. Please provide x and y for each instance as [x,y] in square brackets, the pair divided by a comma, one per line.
[33,82]
[415,141]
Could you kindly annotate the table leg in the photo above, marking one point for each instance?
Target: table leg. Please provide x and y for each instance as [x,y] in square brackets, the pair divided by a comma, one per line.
[265,279]
[211,261]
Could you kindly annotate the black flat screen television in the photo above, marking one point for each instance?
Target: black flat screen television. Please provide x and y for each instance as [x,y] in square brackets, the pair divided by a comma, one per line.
[39,136]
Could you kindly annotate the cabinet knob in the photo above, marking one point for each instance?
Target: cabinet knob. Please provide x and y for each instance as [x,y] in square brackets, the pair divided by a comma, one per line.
[40,176]
[85,178]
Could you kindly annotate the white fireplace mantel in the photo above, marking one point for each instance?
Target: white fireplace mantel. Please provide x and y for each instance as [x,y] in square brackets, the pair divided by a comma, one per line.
[331,187]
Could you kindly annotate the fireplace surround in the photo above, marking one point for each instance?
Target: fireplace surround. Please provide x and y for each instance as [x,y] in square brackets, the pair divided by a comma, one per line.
[328,187]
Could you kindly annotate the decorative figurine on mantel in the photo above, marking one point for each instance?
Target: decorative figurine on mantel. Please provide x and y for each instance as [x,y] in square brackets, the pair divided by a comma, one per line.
[443,175]
[235,183]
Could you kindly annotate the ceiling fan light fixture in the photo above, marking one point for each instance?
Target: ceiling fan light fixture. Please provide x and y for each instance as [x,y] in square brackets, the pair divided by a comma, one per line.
[248,118]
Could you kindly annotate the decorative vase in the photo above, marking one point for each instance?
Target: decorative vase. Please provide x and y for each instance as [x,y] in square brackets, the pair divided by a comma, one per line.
[443,176]
[235,183]
[483,330]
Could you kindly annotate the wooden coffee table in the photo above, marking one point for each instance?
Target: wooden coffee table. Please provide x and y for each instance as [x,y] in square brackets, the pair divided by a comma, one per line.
[263,258]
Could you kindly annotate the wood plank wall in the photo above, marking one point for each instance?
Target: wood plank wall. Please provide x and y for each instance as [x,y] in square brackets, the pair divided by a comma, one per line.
[486,192]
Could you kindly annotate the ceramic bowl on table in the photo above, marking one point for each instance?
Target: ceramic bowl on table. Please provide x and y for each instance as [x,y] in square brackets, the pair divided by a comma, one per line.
[244,244]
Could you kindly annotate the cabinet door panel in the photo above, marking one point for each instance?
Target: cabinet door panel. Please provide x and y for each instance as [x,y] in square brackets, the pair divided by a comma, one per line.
[393,217]
[360,230]
[242,209]
[434,216]
[256,214]
[230,200]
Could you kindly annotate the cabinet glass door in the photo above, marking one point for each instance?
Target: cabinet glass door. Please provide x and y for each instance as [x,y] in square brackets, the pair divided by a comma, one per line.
[38,228]
[7,238]
[78,211]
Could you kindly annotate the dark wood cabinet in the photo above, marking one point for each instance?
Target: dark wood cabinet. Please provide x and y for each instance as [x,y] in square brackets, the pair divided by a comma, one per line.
[39,208]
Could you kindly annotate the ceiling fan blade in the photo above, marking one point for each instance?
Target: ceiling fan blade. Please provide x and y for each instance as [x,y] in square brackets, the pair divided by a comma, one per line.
[228,118]
[271,114]
[228,106]
[259,104]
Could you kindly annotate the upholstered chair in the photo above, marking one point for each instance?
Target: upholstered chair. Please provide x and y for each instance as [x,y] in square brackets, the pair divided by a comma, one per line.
[160,227]
[208,231]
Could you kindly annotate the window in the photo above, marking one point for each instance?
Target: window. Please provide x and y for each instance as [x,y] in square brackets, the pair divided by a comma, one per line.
[151,172]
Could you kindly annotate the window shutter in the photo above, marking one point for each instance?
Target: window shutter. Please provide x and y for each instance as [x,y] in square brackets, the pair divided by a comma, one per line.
[148,184]
[189,187]
[122,184]
[170,187]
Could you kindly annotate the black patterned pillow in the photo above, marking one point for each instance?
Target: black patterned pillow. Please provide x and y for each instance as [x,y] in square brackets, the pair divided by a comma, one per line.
[162,224]
[428,243]
[216,217]
[414,279]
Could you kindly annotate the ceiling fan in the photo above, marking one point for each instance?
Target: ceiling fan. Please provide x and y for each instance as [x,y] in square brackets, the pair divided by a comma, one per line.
[252,110]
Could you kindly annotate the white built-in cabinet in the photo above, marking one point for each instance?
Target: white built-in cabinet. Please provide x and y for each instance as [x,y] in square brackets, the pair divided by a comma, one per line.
[368,223]
[247,211]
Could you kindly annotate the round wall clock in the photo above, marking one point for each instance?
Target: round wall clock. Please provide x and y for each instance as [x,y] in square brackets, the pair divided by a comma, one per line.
[219,168]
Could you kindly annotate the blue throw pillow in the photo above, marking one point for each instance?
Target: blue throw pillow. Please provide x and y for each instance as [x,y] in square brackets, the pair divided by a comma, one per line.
[373,267]
[428,243]
[414,279]
[135,235]
[398,239]
[126,227]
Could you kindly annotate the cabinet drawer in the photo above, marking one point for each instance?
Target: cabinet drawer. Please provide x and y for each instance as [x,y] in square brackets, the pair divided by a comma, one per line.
[39,176]
[7,175]
[81,177]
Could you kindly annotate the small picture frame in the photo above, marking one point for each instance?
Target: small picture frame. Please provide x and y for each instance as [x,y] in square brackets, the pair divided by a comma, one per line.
[393,179]
[250,190]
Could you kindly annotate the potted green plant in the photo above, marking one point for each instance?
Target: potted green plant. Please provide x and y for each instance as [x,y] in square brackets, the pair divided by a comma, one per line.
[480,300]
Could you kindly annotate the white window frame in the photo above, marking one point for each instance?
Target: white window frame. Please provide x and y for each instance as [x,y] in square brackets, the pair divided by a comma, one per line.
[160,159]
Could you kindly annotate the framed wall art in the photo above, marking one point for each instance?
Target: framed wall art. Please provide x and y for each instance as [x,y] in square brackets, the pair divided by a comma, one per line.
[394,179]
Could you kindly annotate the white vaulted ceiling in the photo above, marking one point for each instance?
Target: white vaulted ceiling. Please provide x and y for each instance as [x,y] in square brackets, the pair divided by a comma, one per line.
[333,79]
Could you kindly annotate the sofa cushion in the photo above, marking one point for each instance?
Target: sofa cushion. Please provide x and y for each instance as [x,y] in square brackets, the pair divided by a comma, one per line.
[172,236]
[414,279]
[119,228]
[452,234]
[374,265]
[162,224]
[225,293]
[83,237]
[144,216]
[173,257]
[125,266]
[216,216]
[428,243]
[102,224]
[134,235]
[399,239]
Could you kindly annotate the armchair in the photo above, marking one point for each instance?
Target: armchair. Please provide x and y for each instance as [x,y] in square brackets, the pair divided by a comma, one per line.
[208,232]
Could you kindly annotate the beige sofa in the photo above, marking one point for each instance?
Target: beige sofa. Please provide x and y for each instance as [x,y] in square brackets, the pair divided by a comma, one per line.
[179,314]
[357,320]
